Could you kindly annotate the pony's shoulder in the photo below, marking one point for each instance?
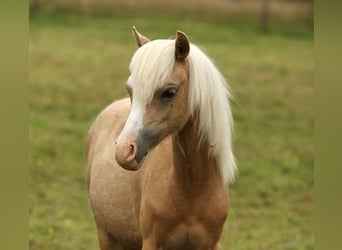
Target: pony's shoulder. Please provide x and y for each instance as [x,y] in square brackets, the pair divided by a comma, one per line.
[117,107]
[113,115]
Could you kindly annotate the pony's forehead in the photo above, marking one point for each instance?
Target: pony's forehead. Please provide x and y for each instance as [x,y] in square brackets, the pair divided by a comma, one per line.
[150,67]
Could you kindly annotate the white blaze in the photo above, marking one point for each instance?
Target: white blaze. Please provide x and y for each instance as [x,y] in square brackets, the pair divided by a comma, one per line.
[134,120]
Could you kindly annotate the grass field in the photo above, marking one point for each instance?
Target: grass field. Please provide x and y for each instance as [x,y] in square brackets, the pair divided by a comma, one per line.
[79,64]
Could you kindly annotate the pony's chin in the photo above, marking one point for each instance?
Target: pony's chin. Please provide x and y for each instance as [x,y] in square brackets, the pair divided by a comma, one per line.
[132,166]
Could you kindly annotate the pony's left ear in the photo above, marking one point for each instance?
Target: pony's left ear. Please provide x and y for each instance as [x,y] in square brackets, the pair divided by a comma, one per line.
[139,38]
[182,46]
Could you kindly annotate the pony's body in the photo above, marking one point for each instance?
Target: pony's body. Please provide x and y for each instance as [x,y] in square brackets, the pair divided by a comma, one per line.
[176,198]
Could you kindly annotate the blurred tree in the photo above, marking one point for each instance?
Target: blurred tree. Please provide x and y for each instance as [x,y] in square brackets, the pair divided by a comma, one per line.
[312,12]
[265,14]
[33,5]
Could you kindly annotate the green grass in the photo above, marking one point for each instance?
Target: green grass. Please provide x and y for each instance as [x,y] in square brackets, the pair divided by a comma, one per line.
[79,64]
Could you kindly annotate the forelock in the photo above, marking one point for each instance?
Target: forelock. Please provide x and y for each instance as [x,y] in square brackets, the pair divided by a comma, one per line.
[151,66]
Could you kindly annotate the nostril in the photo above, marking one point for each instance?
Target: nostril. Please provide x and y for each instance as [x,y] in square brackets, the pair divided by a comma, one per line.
[132,148]
[125,153]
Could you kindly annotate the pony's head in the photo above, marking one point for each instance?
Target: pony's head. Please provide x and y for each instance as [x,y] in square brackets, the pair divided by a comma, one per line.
[170,82]
[158,88]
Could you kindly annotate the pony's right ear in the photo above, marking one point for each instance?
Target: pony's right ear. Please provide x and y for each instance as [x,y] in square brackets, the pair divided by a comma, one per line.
[182,46]
[139,38]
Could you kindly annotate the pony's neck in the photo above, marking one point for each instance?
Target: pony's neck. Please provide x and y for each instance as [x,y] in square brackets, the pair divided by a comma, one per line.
[193,164]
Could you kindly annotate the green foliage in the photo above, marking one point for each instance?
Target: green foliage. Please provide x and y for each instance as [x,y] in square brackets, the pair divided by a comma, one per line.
[79,64]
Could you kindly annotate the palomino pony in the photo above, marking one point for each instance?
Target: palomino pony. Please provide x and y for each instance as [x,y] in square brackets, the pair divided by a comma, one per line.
[174,134]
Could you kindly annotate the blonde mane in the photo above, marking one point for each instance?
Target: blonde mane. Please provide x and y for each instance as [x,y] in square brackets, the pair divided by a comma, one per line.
[209,95]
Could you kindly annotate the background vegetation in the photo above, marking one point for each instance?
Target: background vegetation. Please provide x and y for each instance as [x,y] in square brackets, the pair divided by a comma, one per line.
[79,64]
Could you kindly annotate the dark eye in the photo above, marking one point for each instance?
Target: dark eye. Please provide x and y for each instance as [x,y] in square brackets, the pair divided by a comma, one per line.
[169,94]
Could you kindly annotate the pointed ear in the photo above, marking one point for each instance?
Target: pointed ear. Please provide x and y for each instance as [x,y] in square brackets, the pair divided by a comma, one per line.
[139,38]
[182,46]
